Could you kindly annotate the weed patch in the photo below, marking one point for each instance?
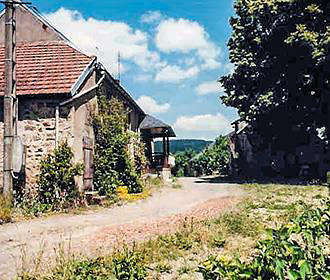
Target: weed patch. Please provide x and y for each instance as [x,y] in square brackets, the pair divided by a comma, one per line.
[6,210]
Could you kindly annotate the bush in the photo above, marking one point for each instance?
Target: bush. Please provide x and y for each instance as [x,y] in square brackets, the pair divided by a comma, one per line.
[56,183]
[298,250]
[114,165]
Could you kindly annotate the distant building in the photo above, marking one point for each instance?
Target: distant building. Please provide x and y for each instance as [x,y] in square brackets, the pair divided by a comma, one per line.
[300,154]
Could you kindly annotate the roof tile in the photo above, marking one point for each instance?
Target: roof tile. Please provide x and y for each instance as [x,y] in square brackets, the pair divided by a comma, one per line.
[45,67]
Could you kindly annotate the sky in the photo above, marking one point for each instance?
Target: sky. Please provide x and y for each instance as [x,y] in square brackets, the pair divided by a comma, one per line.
[172,54]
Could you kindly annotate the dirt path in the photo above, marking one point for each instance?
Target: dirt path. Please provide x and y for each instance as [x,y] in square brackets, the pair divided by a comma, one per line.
[96,232]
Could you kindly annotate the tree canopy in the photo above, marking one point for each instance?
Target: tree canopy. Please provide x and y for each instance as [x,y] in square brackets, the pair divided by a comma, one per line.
[280,50]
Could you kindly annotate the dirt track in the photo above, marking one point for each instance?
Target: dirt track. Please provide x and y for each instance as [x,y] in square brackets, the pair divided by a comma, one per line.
[97,232]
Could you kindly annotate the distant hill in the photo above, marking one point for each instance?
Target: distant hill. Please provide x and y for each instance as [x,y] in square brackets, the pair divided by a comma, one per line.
[183,144]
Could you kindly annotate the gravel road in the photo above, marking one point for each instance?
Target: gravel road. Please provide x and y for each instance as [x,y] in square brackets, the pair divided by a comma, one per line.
[96,232]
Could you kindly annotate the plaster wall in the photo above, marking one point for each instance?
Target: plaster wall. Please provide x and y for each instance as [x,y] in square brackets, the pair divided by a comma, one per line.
[29,28]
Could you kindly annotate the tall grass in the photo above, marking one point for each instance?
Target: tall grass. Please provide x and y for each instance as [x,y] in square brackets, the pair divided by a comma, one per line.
[6,210]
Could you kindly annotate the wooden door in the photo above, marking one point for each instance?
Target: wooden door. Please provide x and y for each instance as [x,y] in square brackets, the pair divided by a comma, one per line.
[88,149]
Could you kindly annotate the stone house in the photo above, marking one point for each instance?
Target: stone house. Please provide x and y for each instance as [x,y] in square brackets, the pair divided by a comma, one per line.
[57,90]
[57,87]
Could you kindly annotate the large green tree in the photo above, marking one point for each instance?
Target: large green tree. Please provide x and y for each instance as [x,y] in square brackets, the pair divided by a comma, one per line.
[280,50]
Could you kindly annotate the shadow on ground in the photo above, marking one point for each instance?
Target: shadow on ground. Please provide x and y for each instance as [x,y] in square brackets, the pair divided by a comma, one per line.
[240,180]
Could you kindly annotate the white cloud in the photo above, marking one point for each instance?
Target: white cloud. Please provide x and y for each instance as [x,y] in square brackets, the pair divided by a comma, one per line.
[175,74]
[150,105]
[143,78]
[151,17]
[203,123]
[211,64]
[184,36]
[105,39]
[209,87]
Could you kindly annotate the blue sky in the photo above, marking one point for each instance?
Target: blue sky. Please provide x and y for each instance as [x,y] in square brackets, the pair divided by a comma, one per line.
[172,54]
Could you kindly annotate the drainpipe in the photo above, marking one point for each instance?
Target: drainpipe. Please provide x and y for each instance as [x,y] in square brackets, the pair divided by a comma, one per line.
[57,119]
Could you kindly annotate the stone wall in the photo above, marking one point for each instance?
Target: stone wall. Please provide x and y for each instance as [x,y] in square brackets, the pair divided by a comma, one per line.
[37,129]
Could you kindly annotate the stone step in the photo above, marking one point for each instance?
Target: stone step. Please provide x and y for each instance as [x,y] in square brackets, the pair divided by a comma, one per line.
[93,198]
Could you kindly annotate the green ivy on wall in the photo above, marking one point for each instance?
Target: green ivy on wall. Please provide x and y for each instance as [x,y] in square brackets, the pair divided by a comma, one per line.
[114,164]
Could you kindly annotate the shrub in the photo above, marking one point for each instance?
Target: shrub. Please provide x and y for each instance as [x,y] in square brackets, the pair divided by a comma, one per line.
[56,181]
[298,250]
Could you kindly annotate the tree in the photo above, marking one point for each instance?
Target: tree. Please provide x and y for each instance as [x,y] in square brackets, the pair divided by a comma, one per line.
[182,160]
[213,158]
[280,50]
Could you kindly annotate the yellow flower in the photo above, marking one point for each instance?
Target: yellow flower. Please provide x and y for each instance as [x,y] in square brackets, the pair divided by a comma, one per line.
[122,190]
[222,259]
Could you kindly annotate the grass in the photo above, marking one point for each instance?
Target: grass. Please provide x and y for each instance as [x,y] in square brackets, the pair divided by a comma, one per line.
[232,234]
[6,210]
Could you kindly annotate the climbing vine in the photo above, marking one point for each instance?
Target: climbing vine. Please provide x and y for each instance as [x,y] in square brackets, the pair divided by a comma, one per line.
[114,163]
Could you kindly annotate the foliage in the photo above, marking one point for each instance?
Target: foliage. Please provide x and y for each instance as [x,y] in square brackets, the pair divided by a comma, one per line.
[128,264]
[214,158]
[297,250]
[56,181]
[6,210]
[280,51]
[182,160]
[181,145]
[138,147]
[113,162]
[56,187]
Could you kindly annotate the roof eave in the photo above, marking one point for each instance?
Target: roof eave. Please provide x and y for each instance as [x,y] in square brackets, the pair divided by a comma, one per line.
[83,76]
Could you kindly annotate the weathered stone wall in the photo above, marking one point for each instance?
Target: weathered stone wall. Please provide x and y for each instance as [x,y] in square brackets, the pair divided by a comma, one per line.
[37,128]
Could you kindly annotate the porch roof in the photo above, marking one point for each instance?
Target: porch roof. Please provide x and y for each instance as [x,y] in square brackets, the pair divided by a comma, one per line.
[154,128]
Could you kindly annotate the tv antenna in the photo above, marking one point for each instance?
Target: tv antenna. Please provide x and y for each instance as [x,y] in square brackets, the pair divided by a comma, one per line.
[119,66]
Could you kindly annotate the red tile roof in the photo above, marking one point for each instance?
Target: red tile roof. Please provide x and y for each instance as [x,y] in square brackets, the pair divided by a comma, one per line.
[45,67]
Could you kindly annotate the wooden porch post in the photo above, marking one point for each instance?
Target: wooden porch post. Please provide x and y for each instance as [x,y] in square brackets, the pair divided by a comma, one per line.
[165,153]
[168,146]
[164,145]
